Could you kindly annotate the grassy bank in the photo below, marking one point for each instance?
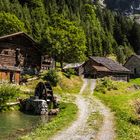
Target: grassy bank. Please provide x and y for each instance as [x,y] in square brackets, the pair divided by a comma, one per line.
[70,85]
[65,85]
[68,113]
[135,81]
[120,97]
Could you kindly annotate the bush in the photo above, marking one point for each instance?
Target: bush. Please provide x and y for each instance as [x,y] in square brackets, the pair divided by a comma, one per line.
[52,77]
[7,92]
[27,76]
[69,72]
[136,104]
[105,84]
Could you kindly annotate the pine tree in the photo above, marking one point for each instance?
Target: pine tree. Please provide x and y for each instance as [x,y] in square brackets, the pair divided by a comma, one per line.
[135,37]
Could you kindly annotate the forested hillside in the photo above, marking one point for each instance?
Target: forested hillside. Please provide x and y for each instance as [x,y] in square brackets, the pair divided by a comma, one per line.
[71,30]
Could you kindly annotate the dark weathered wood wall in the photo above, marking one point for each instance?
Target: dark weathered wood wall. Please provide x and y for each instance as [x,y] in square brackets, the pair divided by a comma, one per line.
[133,64]
[5,77]
[19,52]
[88,67]
[89,71]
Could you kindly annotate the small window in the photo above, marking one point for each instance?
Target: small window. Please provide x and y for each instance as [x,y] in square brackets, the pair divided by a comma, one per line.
[135,71]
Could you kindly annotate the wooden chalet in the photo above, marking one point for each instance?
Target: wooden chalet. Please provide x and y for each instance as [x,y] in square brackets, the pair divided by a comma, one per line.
[99,67]
[19,53]
[47,62]
[133,64]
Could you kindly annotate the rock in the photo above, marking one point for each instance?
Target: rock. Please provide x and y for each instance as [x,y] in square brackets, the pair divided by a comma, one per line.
[54,111]
[137,87]
[37,106]
[21,130]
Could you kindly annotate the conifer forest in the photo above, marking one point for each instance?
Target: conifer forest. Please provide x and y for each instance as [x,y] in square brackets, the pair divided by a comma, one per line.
[72,30]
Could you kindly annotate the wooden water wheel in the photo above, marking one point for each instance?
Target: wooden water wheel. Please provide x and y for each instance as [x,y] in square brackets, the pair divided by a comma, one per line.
[44,91]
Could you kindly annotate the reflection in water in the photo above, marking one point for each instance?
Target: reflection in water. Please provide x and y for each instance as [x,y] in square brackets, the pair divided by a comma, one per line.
[15,124]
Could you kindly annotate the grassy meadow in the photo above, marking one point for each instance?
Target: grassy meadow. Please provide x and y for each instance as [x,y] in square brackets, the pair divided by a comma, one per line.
[124,101]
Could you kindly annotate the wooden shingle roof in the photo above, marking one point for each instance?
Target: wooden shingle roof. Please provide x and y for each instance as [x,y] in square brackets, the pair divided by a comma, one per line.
[138,56]
[18,34]
[101,68]
[112,65]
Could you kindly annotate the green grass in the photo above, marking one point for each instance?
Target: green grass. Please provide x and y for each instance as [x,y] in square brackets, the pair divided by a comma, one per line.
[68,85]
[8,93]
[65,85]
[135,81]
[65,89]
[95,121]
[68,113]
[121,101]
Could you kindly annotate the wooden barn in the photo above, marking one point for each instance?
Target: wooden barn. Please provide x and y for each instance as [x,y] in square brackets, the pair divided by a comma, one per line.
[19,53]
[99,67]
[47,62]
[133,64]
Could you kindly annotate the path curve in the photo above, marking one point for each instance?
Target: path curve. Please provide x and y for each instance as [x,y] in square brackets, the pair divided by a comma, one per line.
[77,130]
[72,132]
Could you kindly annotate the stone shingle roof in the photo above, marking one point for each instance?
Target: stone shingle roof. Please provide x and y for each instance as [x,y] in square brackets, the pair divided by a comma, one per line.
[112,65]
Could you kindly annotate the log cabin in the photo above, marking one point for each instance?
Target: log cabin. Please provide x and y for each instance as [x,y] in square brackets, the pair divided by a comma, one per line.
[19,53]
[47,62]
[133,64]
[99,67]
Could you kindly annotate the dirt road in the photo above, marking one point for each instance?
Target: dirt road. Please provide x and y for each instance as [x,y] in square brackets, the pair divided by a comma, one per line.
[106,131]
[87,105]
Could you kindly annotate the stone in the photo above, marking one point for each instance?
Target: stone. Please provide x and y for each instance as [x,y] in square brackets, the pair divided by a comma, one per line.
[37,106]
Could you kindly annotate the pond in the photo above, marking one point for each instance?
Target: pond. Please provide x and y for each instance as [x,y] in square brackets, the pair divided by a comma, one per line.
[15,124]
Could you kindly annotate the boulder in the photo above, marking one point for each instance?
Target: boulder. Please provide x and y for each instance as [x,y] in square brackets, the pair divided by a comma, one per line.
[36,106]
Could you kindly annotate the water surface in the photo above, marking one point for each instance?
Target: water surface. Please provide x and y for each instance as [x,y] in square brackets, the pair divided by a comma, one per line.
[15,124]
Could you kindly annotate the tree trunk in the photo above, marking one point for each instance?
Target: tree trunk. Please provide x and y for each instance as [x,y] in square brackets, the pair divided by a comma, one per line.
[61,64]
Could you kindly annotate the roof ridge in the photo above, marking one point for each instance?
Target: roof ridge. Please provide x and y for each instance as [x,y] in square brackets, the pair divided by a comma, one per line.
[112,65]
[18,33]
[12,34]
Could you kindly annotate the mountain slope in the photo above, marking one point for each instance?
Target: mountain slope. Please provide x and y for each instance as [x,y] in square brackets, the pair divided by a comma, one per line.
[127,6]
[61,26]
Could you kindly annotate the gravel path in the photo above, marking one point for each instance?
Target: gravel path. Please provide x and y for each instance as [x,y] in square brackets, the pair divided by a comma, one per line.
[92,85]
[106,132]
[72,132]
[79,129]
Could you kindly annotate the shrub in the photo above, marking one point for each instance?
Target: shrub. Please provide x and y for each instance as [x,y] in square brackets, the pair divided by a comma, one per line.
[52,77]
[105,84]
[69,72]
[7,92]
[27,76]
[136,104]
